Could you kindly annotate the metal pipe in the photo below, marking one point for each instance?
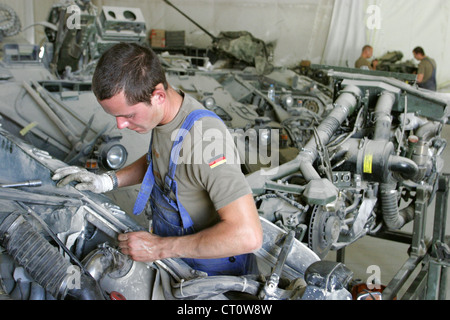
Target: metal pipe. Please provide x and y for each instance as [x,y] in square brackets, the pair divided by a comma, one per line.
[210,287]
[382,116]
[345,105]
[191,20]
[49,112]
[428,130]
[392,216]
[30,183]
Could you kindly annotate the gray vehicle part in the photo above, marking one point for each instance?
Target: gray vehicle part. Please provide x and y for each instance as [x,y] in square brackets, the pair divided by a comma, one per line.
[327,280]
[43,261]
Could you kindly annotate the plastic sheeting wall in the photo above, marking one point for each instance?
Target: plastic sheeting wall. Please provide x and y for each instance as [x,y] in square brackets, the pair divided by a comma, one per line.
[324,31]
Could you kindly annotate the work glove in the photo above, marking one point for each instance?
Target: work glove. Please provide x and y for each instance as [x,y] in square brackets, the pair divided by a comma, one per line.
[97,183]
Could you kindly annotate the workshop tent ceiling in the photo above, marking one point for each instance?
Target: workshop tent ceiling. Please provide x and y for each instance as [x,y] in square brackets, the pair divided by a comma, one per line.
[329,32]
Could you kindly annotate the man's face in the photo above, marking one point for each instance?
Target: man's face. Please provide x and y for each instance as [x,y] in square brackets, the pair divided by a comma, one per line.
[369,53]
[140,117]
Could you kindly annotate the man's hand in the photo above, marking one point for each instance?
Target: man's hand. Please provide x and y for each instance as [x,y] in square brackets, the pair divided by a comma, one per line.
[140,246]
[238,232]
[375,64]
[87,180]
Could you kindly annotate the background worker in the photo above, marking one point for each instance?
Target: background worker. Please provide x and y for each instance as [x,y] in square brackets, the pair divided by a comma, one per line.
[363,61]
[426,73]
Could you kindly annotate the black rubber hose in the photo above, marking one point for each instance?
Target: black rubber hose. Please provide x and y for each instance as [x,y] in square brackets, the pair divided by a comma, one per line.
[407,168]
[89,290]
[29,249]
[42,261]
[393,218]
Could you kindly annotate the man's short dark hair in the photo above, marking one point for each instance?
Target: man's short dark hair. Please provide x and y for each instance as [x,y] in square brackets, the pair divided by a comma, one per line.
[131,68]
[366,47]
[419,50]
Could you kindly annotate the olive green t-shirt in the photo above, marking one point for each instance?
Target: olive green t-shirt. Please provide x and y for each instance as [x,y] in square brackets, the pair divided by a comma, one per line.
[361,62]
[208,173]
[426,67]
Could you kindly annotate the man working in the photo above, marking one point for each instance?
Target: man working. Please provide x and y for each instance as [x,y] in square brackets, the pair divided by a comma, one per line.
[363,61]
[426,73]
[202,211]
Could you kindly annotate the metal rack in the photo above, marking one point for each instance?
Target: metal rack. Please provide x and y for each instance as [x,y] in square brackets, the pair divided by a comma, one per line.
[426,269]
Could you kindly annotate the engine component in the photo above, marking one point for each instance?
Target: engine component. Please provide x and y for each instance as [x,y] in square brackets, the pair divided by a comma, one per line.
[324,229]
[116,272]
[56,217]
[318,190]
[392,216]
[36,255]
[325,279]
[358,172]
[10,24]
[268,292]
[28,248]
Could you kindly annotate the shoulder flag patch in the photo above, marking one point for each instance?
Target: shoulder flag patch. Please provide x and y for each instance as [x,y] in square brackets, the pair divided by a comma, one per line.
[217,161]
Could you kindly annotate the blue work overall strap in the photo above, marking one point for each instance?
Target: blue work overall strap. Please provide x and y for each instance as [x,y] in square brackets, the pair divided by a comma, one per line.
[149,179]
[170,185]
[177,144]
[170,218]
[147,184]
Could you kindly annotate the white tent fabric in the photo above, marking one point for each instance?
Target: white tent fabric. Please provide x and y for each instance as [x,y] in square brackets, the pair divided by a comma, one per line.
[298,27]
[403,25]
[409,23]
[330,32]
[346,34]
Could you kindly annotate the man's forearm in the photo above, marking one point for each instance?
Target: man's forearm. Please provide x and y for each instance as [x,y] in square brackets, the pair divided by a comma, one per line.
[238,232]
[211,243]
[419,78]
[214,242]
[132,174]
